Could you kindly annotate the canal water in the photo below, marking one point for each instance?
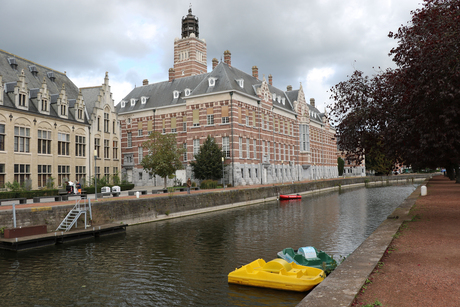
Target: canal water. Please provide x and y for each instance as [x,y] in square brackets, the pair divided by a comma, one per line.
[185,261]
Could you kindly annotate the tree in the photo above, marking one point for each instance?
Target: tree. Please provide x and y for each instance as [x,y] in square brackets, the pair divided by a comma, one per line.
[163,156]
[413,110]
[340,165]
[208,161]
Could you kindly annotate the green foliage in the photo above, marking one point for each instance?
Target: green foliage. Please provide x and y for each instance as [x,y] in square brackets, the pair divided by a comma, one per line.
[208,184]
[50,183]
[208,161]
[164,155]
[340,165]
[28,194]
[377,161]
[15,186]
[375,304]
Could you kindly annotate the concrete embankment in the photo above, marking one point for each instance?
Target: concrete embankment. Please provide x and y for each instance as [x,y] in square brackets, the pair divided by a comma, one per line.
[344,283]
[150,208]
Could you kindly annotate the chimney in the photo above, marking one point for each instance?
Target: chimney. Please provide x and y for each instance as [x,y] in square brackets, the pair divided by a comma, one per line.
[255,72]
[145,82]
[312,102]
[214,63]
[289,88]
[228,58]
[171,74]
[270,79]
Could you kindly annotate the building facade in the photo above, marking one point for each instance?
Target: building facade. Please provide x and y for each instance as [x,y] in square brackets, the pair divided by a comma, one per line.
[268,135]
[45,125]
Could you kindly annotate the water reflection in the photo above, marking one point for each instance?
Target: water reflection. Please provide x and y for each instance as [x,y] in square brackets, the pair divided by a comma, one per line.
[185,262]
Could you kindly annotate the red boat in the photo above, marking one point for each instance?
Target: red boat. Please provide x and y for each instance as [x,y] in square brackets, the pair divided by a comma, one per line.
[297,196]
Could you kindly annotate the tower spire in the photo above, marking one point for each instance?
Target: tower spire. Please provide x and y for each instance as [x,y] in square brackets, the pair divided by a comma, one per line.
[190,24]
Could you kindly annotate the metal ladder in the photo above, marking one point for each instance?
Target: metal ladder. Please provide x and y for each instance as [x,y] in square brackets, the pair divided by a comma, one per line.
[74,214]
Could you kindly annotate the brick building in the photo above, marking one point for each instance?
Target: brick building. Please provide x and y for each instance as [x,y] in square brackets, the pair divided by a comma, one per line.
[269,135]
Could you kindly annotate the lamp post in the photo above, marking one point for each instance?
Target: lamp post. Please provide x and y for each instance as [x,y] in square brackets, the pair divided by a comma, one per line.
[95,174]
[223,174]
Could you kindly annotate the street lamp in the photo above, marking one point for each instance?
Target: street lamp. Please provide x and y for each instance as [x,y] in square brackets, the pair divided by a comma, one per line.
[223,174]
[95,174]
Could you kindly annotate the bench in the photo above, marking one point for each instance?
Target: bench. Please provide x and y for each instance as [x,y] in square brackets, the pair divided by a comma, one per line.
[22,200]
[142,192]
[56,198]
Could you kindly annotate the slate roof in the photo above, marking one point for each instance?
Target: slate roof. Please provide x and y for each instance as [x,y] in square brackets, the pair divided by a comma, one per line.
[226,78]
[90,95]
[34,76]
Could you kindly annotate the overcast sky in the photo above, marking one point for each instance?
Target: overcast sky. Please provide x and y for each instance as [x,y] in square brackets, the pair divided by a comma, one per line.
[313,42]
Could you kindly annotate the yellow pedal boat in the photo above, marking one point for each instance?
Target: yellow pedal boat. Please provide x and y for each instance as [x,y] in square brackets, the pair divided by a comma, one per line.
[277,274]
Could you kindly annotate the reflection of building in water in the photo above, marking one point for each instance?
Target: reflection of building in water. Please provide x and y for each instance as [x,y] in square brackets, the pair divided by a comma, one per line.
[268,135]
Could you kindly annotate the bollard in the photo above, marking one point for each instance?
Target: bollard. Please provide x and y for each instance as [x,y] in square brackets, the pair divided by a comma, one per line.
[137,194]
[423,190]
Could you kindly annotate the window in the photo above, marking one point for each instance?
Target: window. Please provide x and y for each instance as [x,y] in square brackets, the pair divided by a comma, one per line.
[173,125]
[44,105]
[196,117]
[240,146]
[22,100]
[248,152]
[80,146]
[176,94]
[80,114]
[196,146]
[140,175]
[254,148]
[106,149]
[184,124]
[63,174]
[304,138]
[107,172]
[21,173]
[211,81]
[247,120]
[140,154]
[262,120]
[115,171]
[226,146]
[130,141]
[80,173]
[143,100]
[225,119]
[185,151]
[254,123]
[133,102]
[164,125]
[98,124]
[187,92]
[106,122]
[97,147]
[44,173]
[63,109]
[210,116]
[123,103]
[2,175]
[98,172]
[113,126]
[2,137]
[21,139]
[44,142]
[115,150]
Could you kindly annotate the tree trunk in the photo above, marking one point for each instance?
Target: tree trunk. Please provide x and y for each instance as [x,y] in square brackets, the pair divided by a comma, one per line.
[450,172]
[457,171]
[165,182]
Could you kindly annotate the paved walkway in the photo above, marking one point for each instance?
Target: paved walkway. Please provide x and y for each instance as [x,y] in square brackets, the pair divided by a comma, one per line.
[421,267]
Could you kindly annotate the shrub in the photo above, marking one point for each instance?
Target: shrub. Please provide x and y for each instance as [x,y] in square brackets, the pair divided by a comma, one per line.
[208,184]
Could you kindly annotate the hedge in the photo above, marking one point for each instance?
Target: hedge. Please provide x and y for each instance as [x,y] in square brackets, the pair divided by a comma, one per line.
[123,187]
[28,194]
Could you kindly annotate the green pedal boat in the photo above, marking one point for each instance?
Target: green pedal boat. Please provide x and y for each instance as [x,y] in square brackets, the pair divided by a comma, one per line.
[309,256]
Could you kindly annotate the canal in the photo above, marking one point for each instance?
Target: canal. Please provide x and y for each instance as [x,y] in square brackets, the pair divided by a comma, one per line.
[185,261]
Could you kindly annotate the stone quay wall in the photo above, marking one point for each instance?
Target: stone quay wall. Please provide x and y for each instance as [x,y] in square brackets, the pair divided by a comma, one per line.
[148,209]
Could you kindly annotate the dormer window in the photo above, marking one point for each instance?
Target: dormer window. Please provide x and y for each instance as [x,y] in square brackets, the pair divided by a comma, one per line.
[240,82]
[51,76]
[22,100]
[187,92]
[13,63]
[212,81]
[274,97]
[283,100]
[44,105]
[123,103]
[63,110]
[144,99]
[133,102]
[33,70]
[176,94]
